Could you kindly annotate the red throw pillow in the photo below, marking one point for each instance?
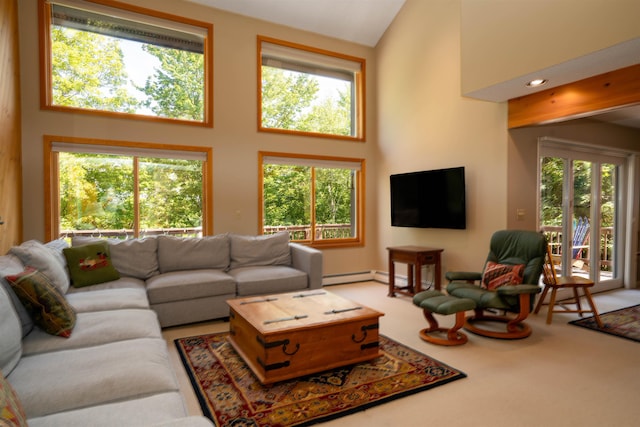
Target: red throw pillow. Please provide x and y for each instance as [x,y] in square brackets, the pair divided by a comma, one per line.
[496,275]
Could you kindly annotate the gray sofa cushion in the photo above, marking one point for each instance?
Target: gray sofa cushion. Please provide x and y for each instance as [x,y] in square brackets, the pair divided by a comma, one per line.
[131,257]
[10,334]
[10,265]
[121,283]
[101,327]
[193,310]
[71,379]
[108,299]
[270,249]
[44,259]
[186,285]
[267,280]
[178,253]
[156,409]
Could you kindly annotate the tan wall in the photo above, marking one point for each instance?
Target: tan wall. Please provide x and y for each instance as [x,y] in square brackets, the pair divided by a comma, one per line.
[424,123]
[10,168]
[421,122]
[234,139]
[502,40]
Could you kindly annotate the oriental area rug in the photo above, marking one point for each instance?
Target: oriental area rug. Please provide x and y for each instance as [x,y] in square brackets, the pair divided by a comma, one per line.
[231,395]
[624,323]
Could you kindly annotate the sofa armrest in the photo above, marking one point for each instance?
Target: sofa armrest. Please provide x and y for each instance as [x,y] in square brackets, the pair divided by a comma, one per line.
[308,260]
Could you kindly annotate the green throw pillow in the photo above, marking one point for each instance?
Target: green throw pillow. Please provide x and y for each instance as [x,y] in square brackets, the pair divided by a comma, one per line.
[90,264]
[44,302]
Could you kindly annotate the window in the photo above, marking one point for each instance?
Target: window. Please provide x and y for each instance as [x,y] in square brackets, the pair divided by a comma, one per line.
[309,91]
[318,200]
[106,57]
[119,189]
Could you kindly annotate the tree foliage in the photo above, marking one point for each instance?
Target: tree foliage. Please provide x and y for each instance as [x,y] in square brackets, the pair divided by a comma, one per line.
[287,195]
[176,89]
[285,97]
[292,101]
[170,193]
[88,72]
[333,196]
[551,191]
[288,201]
[97,192]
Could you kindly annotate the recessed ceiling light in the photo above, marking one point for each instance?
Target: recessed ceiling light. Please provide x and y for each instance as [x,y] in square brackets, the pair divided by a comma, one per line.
[536,82]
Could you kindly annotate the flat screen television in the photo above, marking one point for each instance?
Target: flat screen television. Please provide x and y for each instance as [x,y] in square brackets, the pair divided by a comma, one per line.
[429,199]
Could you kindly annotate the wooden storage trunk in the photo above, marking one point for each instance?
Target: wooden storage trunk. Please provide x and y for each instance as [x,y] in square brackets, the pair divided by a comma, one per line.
[290,335]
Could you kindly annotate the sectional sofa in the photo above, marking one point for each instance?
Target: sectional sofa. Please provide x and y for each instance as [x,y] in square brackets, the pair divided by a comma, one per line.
[189,280]
[98,357]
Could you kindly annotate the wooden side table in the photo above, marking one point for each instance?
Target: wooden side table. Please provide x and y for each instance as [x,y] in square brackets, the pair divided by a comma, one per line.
[415,257]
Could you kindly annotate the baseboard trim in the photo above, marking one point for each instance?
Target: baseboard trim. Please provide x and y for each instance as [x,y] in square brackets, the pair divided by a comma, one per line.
[339,279]
[366,276]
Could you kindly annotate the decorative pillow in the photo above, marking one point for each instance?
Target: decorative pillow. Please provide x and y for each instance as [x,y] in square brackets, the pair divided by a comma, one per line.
[90,264]
[48,307]
[35,254]
[189,253]
[268,249]
[496,275]
[11,410]
[9,265]
[131,257]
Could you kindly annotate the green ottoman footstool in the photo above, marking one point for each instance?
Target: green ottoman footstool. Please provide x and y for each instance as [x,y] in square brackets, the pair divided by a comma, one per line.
[436,302]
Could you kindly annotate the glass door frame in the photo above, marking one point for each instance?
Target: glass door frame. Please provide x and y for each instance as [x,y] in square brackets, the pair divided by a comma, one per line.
[626,206]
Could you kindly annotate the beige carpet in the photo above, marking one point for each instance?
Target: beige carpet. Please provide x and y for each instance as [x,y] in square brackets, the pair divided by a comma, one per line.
[560,376]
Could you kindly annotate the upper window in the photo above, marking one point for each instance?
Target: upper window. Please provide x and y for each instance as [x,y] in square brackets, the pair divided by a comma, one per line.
[310,91]
[119,189]
[112,58]
[317,199]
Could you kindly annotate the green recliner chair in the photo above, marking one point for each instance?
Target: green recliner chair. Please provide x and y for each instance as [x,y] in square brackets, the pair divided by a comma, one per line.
[508,284]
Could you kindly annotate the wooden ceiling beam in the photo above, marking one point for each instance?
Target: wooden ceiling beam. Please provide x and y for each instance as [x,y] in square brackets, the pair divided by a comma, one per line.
[608,91]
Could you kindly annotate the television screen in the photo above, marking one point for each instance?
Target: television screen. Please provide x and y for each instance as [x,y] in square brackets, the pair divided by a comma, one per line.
[429,199]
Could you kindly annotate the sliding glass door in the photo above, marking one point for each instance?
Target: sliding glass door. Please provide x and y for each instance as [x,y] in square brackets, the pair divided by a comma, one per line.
[582,212]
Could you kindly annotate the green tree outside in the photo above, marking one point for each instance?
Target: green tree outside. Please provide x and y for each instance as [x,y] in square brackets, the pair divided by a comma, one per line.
[88,72]
[97,191]
[290,102]
[176,89]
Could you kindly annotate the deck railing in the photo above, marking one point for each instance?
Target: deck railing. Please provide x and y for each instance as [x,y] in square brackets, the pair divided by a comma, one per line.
[297,232]
[128,233]
[304,232]
[554,237]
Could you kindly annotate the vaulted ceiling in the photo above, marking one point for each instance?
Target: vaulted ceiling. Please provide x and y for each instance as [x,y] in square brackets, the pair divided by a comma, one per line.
[365,21]
[358,21]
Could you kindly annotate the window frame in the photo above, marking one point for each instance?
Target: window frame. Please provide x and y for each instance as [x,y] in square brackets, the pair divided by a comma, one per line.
[52,181]
[359,92]
[46,87]
[359,203]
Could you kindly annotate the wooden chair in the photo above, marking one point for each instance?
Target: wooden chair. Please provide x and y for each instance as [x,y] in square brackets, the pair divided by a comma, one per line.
[554,282]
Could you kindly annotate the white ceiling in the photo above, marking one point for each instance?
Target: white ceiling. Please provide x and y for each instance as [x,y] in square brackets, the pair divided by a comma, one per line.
[365,21]
[358,21]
